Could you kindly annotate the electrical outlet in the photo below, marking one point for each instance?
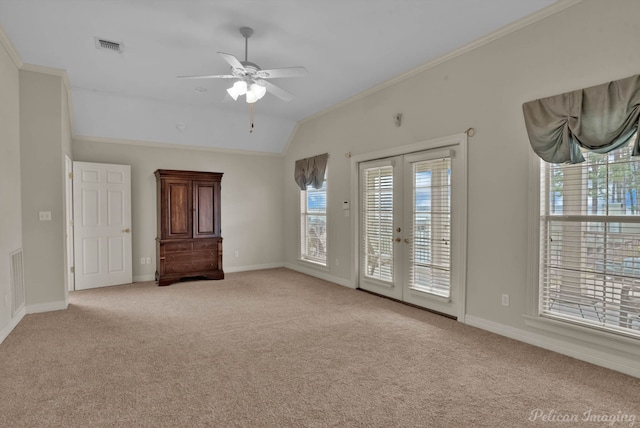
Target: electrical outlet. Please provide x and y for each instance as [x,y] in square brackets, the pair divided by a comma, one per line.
[505,300]
[142,260]
[148,260]
[44,215]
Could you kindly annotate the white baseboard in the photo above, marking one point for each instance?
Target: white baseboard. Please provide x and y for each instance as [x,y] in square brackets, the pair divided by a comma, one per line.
[4,333]
[618,363]
[252,267]
[144,278]
[318,273]
[46,307]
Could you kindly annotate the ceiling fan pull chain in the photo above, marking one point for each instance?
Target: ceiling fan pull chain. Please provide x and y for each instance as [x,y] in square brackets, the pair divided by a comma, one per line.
[251,118]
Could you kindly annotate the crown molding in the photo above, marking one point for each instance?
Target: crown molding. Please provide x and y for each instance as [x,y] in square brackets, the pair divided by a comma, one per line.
[139,143]
[8,46]
[44,70]
[559,6]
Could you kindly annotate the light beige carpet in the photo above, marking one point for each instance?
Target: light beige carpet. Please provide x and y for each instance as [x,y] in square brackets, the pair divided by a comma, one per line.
[276,348]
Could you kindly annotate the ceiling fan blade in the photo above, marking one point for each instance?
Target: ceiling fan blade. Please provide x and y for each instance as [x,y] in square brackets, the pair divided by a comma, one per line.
[276,90]
[283,72]
[211,76]
[232,60]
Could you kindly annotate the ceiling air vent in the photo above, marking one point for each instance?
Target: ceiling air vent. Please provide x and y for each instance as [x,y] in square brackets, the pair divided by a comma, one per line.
[108,45]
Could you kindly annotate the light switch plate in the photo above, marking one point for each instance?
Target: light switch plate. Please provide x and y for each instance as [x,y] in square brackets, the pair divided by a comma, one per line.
[45,215]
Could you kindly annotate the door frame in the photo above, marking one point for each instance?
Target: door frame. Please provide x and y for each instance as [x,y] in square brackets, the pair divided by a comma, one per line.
[68,218]
[459,143]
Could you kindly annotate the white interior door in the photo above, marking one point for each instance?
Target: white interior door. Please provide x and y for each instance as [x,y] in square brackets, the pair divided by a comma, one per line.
[102,224]
[407,243]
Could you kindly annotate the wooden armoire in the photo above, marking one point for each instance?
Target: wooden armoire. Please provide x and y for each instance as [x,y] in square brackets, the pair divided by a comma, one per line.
[189,240]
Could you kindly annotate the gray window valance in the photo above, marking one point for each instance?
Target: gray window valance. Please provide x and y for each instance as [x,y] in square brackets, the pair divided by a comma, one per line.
[600,119]
[310,171]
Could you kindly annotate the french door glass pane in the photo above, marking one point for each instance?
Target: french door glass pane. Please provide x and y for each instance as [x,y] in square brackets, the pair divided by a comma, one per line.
[430,255]
[377,211]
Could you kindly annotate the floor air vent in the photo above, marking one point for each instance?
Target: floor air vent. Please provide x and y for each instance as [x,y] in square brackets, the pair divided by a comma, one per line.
[108,45]
[17,282]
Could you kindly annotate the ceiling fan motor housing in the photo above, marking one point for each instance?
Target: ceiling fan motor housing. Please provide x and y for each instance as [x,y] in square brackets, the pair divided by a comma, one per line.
[246,32]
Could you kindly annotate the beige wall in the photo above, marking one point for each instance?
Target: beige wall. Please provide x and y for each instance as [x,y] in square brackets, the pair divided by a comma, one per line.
[587,44]
[11,209]
[252,208]
[42,106]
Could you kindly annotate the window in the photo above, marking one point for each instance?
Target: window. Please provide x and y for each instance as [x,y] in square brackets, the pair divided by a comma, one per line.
[590,242]
[313,224]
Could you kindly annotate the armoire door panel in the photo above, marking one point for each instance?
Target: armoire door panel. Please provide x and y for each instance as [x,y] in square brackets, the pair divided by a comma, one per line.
[179,206]
[204,204]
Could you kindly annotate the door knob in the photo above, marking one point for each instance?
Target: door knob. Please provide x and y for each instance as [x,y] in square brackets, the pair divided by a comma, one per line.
[398,230]
[127,230]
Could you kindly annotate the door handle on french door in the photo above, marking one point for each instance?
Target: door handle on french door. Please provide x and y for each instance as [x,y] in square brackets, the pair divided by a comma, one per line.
[398,239]
[127,230]
[407,240]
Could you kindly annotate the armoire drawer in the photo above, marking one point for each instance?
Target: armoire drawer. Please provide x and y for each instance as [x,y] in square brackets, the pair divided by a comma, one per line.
[177,246]
[205,244]
[185,256]
[191,266]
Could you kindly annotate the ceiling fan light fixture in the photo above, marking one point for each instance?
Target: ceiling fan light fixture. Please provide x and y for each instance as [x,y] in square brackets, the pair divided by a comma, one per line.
[255,92]
[251,97]
[259,90]
[238,88]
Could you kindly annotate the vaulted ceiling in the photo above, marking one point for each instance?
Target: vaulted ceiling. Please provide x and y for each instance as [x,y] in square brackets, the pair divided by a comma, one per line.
[347,46]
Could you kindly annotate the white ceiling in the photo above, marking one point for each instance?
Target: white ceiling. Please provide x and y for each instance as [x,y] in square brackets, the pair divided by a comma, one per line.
[347,46]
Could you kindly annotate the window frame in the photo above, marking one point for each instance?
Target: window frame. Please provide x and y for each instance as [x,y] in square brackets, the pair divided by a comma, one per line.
[304,213]
[564,333]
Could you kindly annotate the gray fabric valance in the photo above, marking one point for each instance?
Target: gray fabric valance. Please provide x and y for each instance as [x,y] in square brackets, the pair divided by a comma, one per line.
[310,171]
[600,119]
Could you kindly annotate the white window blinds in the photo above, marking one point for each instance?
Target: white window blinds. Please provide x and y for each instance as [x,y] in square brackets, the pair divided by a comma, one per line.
[313,224]
[377,222]
[430,257]
[590,242]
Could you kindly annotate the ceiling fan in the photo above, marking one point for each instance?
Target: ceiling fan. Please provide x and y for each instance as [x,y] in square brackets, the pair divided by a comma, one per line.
[251,79]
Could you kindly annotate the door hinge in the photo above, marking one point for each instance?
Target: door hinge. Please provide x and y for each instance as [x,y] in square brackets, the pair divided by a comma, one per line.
[73,269]
[71,175]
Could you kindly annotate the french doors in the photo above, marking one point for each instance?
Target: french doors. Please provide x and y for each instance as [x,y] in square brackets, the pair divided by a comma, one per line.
[411,228]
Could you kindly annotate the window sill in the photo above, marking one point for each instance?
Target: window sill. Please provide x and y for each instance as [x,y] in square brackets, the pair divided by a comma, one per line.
[312,264]
[585,335]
